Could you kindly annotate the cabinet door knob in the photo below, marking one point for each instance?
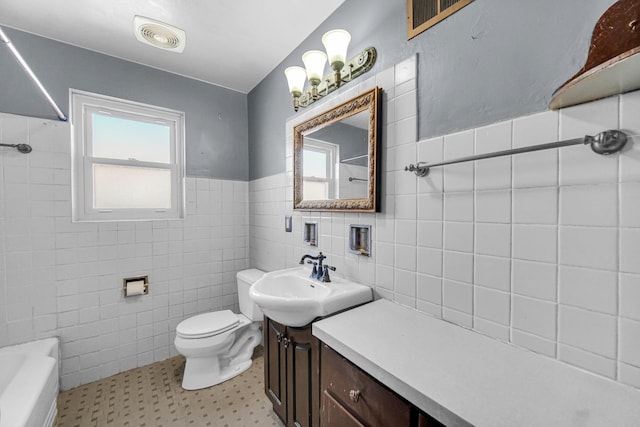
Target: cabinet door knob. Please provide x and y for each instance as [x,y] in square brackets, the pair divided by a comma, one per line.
[279,337]
[354,395]
[286,342]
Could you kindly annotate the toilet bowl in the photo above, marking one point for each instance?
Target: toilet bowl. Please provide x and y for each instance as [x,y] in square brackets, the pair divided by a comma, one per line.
[219,345]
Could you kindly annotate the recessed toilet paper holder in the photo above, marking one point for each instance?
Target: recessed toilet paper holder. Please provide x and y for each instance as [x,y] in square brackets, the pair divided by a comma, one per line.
[138,285]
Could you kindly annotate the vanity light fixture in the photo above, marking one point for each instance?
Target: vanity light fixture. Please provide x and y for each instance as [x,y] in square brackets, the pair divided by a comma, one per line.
[336,43]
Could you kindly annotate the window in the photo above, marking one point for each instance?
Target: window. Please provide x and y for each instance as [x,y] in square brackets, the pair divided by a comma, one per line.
[127,159]
[319,172]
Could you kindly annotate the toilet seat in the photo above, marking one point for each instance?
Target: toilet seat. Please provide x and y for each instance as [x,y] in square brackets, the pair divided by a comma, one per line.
[207,324]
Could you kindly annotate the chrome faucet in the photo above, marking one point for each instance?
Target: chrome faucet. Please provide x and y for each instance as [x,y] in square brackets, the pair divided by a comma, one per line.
[318,273]
[318,258]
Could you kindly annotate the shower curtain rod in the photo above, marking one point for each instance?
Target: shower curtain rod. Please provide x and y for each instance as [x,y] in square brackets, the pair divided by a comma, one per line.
[607,142]
[7,41]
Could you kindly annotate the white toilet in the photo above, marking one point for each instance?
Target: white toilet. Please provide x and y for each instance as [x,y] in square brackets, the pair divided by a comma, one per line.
[219,345]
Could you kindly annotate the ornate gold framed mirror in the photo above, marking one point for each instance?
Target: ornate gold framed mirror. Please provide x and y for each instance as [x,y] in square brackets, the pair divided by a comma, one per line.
[335,157]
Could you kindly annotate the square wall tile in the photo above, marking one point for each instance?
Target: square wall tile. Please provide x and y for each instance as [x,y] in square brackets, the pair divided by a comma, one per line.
[430,207]
[458,207]
[406,232]
[535,242]
[589,247]
[429,288]
[535,206]
[458,236]
[429,261]
[535,279]
[493,239]
[587,330]
[457,296]
[534,316]
[594,205]
[430,234]
[535,129]
[493,206]
[492,305]
[493,272]
[595,290]
[458,266]
[535,169]
[405,257]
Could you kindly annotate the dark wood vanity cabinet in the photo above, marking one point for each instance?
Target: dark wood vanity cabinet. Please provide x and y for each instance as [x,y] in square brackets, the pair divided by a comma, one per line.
[292,374]
[311,385]
[352,398]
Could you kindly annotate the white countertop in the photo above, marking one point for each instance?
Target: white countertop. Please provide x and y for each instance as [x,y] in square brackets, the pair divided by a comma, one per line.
[463,378]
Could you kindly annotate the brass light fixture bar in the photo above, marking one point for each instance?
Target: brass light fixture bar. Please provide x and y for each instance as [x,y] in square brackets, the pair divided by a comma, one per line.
[336,43]
[356,66]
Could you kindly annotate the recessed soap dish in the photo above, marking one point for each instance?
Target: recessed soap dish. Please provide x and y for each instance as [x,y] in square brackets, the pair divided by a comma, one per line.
[310,236]
[360,239]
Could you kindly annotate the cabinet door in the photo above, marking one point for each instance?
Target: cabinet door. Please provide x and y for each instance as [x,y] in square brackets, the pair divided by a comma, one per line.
[360,395]
[303,400]
[274,366]
[334,414]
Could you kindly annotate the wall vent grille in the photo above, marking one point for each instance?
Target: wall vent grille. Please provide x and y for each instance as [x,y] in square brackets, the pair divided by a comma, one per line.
[423,14]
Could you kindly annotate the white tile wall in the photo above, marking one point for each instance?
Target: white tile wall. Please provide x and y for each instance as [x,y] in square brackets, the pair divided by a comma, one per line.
[59,278]
[539,249]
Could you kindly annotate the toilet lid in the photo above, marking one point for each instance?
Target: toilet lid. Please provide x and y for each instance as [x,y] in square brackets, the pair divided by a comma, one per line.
[207,324]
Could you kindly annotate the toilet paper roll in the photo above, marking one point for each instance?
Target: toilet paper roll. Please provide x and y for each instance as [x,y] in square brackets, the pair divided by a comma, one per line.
[135,288]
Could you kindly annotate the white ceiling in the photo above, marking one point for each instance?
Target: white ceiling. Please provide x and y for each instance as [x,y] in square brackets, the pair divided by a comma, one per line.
[231,43]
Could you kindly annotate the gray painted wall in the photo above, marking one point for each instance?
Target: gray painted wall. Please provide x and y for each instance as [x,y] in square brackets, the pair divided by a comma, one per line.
[492,60]
[216,118]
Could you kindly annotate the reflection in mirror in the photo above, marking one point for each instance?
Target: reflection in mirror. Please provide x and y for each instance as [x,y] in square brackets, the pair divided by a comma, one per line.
[339,152]
[335,157]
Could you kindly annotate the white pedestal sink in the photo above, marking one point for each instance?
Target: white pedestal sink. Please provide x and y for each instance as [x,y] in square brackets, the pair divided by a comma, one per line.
[293,298]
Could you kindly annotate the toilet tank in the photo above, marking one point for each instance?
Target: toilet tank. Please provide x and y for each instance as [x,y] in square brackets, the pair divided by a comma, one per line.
[245,279]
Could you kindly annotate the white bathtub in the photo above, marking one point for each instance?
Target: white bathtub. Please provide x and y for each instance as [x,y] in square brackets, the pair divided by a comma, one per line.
[29,384]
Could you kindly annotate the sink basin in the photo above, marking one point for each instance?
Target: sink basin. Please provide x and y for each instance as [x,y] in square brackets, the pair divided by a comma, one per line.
[293,298]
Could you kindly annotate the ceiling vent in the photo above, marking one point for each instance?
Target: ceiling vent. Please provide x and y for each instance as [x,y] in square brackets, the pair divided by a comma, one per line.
[159,34]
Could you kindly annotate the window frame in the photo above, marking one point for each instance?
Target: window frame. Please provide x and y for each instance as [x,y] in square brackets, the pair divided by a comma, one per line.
[83,105]
[333,154]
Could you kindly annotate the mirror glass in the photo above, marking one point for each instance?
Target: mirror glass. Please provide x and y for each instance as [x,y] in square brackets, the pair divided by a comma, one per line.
[335,157]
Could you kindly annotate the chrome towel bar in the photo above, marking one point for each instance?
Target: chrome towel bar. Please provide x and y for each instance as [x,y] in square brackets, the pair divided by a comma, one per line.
[607,142]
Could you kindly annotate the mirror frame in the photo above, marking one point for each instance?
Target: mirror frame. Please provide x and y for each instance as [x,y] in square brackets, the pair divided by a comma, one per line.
[367,101]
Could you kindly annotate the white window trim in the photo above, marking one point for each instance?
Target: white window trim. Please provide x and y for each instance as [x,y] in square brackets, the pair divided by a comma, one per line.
[82,104]
[333,153]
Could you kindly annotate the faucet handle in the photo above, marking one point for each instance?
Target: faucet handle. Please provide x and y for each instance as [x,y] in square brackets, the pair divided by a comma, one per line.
[325,276]
[314,272]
